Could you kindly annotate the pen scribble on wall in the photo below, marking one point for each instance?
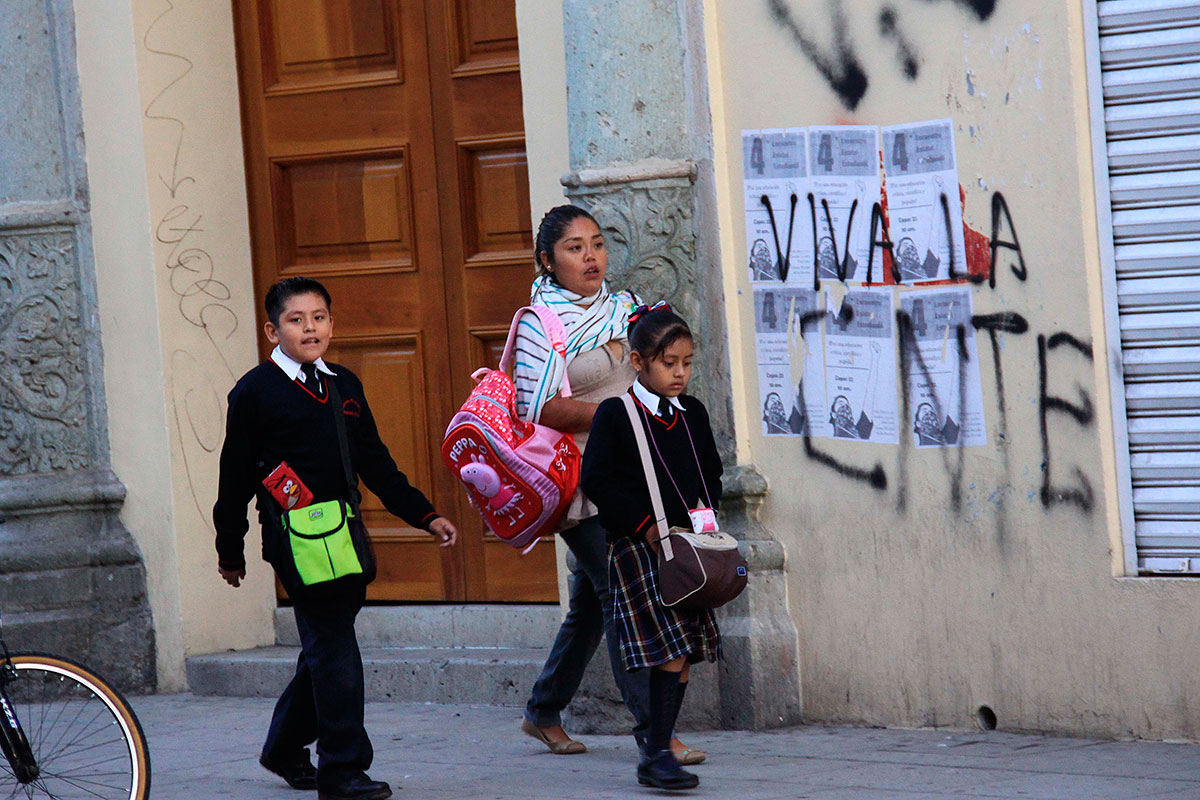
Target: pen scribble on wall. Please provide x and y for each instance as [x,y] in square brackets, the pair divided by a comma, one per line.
[193,372]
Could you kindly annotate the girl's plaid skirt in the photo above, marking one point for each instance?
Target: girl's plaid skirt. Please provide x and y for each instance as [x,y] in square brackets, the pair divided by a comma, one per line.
[650,632]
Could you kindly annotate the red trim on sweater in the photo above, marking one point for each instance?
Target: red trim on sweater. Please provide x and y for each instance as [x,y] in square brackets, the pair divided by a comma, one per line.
[654,416]
[322,399]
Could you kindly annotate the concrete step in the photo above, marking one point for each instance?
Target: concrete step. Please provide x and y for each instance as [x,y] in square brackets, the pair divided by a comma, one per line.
[487,676]
[477,654]
[496,625]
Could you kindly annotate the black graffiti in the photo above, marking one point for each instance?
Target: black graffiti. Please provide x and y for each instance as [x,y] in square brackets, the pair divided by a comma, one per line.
[910,353]
[878,221]
[995,324]
[889,29]
[1000,208]
[875,477]
[953,273]
[1081,494]
[841,265]
[840,66]
[982,8]
[783,257]
[841,69]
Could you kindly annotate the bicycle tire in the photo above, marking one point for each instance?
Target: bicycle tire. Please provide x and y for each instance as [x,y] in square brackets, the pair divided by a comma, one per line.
[85,736]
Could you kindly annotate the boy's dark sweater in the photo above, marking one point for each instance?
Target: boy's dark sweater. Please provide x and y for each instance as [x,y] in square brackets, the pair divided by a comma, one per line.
[273,419]
[612,476]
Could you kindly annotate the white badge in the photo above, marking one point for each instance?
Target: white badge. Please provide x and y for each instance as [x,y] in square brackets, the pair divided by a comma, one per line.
[704,520]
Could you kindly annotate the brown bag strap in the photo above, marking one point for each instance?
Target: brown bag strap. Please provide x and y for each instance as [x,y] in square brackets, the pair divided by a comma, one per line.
[656,502]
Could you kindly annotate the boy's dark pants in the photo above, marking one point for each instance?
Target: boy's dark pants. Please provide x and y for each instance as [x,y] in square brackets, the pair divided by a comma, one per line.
[324,701]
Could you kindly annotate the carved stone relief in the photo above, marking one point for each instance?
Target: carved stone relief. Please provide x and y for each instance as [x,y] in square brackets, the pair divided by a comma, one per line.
[43,393]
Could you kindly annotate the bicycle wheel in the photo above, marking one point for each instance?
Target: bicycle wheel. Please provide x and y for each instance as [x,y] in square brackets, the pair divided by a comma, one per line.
[87,741]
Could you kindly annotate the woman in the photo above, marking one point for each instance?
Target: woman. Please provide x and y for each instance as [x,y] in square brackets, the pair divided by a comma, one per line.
[572,263]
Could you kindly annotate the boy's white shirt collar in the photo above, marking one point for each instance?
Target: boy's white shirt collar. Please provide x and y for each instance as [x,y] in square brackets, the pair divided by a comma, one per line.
[291,367]
[650,400]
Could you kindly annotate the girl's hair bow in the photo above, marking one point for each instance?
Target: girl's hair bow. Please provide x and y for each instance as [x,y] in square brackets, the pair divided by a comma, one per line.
[643,310]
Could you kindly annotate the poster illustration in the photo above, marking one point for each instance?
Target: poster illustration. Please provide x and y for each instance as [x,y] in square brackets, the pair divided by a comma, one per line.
[844,170]
[860,367]
[791,381]
[924,207]
[944,392]
[775,182]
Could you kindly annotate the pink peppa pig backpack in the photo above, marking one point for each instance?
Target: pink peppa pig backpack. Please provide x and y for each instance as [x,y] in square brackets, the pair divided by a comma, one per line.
[519,475]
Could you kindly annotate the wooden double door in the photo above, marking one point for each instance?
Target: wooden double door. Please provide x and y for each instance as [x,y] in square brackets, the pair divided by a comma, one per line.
[385,157]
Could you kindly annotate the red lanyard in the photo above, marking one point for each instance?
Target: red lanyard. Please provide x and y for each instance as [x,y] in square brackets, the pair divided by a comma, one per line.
[663,461]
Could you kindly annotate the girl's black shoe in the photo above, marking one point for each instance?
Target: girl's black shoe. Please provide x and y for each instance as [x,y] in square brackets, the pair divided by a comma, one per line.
[662,771]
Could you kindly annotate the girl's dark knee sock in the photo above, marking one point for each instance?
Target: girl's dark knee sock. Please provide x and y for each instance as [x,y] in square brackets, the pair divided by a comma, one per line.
[680,689]
[663,692]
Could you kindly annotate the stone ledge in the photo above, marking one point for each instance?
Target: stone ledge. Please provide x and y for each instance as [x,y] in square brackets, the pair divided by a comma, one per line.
[644,171]
[41,493]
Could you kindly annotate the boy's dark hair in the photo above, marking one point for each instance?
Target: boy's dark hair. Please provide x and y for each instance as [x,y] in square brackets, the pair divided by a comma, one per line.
[281,292]
[655,331]
[551,229]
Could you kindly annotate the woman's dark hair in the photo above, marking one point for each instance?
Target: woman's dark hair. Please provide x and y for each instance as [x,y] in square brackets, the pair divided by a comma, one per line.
[281,292]
[655,331]
[552,228]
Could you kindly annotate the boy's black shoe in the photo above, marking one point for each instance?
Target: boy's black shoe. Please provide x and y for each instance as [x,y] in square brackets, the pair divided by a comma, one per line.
[358,788]
[661,770]
[299,774]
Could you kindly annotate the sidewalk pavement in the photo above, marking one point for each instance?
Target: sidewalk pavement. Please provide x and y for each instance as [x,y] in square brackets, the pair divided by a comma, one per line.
[207,747]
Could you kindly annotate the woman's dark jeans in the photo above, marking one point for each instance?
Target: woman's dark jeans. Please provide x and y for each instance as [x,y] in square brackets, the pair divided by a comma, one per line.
[589,615]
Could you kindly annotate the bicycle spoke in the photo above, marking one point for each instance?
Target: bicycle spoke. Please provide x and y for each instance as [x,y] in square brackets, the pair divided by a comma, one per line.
[79,783]
[86,744]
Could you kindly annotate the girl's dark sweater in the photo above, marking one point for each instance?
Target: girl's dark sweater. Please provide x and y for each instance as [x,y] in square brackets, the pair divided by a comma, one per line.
[613,478]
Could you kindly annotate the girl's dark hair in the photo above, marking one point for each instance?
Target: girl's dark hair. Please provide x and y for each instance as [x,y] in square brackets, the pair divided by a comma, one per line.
[551,230]
[655,331]
[281,292]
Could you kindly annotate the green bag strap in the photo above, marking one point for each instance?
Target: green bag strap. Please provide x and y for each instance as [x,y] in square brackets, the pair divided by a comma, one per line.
[339,422]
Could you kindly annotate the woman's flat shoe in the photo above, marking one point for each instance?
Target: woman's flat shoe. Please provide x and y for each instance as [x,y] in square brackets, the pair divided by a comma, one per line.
[565,747]
[689,758]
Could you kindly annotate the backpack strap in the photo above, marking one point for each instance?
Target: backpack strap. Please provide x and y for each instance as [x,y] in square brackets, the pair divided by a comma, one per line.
[554,329]
[656,503]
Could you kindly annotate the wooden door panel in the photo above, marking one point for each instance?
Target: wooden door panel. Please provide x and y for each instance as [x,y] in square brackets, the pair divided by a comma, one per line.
[322,44]
[484,35]
[344,212]
[494,173]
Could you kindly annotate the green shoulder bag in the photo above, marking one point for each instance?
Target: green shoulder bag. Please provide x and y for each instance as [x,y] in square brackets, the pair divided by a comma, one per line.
[321,542]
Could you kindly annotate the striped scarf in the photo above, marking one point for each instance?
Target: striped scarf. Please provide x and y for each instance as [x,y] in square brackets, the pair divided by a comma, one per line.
[538,375]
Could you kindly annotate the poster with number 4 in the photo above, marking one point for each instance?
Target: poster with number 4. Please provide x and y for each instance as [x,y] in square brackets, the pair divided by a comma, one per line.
[924,207]
[844,170]
[775,181]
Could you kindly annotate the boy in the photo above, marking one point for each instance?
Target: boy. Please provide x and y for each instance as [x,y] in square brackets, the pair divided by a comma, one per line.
[280,412]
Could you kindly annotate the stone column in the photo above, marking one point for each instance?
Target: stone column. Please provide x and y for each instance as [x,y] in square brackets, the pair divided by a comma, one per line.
[642,163]
[71,578]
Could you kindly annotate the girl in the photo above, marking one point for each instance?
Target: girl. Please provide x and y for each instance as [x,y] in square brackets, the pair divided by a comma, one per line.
[688,471]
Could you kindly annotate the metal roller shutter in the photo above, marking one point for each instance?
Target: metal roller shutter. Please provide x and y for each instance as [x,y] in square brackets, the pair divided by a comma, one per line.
[1150,67]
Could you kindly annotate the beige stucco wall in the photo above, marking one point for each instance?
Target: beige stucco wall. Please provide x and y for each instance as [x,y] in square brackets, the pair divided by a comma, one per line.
[163,132]
[544,98]
[911,612]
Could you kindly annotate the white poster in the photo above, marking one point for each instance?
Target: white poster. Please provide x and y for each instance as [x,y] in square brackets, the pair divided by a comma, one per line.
[944,392]
[844,170]
[791,385]
[860,367]
[775,180]
[924,207]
